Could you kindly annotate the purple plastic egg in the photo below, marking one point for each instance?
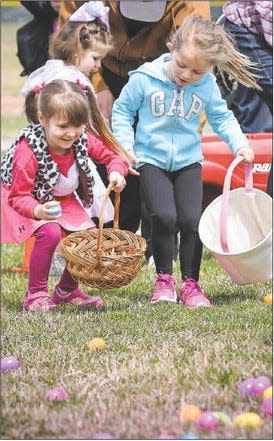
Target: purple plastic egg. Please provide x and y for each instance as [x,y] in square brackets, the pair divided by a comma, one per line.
[57,394]
[102,435]
[260,384]
[266,406]
[9,363]
[208,421]
[245,387]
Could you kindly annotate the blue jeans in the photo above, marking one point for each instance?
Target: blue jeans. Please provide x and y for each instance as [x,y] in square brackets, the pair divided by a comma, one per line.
[253,109]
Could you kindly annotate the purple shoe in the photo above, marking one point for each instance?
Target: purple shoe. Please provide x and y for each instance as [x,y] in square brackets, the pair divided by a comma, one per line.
[192,295]
[38,301]
[77,298]
[164,289]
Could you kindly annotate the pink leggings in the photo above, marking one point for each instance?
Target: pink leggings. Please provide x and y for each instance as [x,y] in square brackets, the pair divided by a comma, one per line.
[47,239]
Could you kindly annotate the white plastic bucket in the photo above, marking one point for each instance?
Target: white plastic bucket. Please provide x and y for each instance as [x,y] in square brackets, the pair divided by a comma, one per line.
[237,229]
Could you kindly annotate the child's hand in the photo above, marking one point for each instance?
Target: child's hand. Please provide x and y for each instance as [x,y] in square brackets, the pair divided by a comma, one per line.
[247,153]
[47,211]
[117,181]
[134,160]
[132,171]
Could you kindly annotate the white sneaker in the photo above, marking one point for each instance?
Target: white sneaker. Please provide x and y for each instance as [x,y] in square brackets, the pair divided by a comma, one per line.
[151,263]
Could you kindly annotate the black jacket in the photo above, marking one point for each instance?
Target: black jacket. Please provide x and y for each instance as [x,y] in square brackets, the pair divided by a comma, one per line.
[33,37]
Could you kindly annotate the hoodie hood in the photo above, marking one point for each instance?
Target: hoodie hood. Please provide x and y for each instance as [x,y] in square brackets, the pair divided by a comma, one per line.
[155,69]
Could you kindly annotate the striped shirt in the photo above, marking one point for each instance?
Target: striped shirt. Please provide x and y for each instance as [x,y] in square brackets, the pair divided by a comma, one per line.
[254,15]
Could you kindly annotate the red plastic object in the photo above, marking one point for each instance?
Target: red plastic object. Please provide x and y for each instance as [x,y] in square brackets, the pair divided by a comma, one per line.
[217,158]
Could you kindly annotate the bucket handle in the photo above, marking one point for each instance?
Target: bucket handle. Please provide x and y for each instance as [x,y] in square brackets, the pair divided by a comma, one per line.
[225,196]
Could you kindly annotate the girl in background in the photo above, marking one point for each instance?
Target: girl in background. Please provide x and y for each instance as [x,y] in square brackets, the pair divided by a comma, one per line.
[169,94]
[41,174]
[84,39]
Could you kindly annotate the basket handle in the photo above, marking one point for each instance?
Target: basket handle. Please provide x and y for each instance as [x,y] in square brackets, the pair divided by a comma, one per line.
[225,196]
[102,217]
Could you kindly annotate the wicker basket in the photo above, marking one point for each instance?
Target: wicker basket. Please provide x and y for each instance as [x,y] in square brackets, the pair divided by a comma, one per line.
[104,257]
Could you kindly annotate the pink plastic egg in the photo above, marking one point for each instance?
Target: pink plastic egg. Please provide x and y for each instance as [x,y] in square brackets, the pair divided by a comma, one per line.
[246,386]
[260,384]
[9,363]
[57,394]
[208,421]
[266,406]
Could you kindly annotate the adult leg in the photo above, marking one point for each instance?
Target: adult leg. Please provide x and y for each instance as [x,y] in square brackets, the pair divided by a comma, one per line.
[145,224]
[130,205]
[247,103]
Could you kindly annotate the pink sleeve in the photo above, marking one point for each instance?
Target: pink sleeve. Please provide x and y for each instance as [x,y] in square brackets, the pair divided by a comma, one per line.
[101,153]
[24,170]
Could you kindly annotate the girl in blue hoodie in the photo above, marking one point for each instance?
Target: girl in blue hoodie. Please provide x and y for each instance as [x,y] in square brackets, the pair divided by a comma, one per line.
[169,95]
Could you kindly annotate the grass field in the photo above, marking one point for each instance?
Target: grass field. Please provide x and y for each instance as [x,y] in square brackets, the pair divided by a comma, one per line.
[11,82]
[156,359]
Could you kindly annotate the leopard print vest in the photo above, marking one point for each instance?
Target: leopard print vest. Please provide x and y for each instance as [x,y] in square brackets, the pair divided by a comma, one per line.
[48,172]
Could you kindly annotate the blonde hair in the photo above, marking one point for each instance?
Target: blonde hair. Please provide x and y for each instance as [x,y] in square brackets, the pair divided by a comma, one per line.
[74,37]
[218,47]
[77,104]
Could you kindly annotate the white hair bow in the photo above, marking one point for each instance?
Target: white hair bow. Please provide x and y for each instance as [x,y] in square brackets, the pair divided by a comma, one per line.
[55,70]
[90,11]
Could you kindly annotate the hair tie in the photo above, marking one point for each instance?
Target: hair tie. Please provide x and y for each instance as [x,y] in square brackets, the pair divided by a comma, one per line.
[83,87]
[37,89]
[89,11]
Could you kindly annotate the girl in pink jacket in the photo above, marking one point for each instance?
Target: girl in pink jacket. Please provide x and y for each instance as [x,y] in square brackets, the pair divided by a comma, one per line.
[47,182]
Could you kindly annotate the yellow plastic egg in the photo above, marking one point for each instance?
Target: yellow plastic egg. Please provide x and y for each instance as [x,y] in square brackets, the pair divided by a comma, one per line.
[267,299]
[267,392]
[190,413]
[248,419]
[96,344]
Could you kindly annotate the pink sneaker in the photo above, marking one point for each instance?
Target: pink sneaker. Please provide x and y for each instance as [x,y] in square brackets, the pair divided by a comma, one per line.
[192,295]
[38,301]
[164,289]
[77,298]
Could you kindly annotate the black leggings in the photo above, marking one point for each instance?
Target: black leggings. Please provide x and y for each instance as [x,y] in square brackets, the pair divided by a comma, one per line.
[174,200]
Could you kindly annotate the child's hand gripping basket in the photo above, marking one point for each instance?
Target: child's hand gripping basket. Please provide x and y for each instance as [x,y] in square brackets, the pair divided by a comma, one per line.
[237,228]
[104,257]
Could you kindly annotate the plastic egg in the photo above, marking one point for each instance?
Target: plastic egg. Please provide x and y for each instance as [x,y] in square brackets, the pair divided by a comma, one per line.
[9,363]
[267,392]
[245,386]
[57,394]
[266,406]
[54,210]
[223,417]
[190,413]
[96,344]
[260,384]
[248,419]
[267,299]
[189,436]
[208,421]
